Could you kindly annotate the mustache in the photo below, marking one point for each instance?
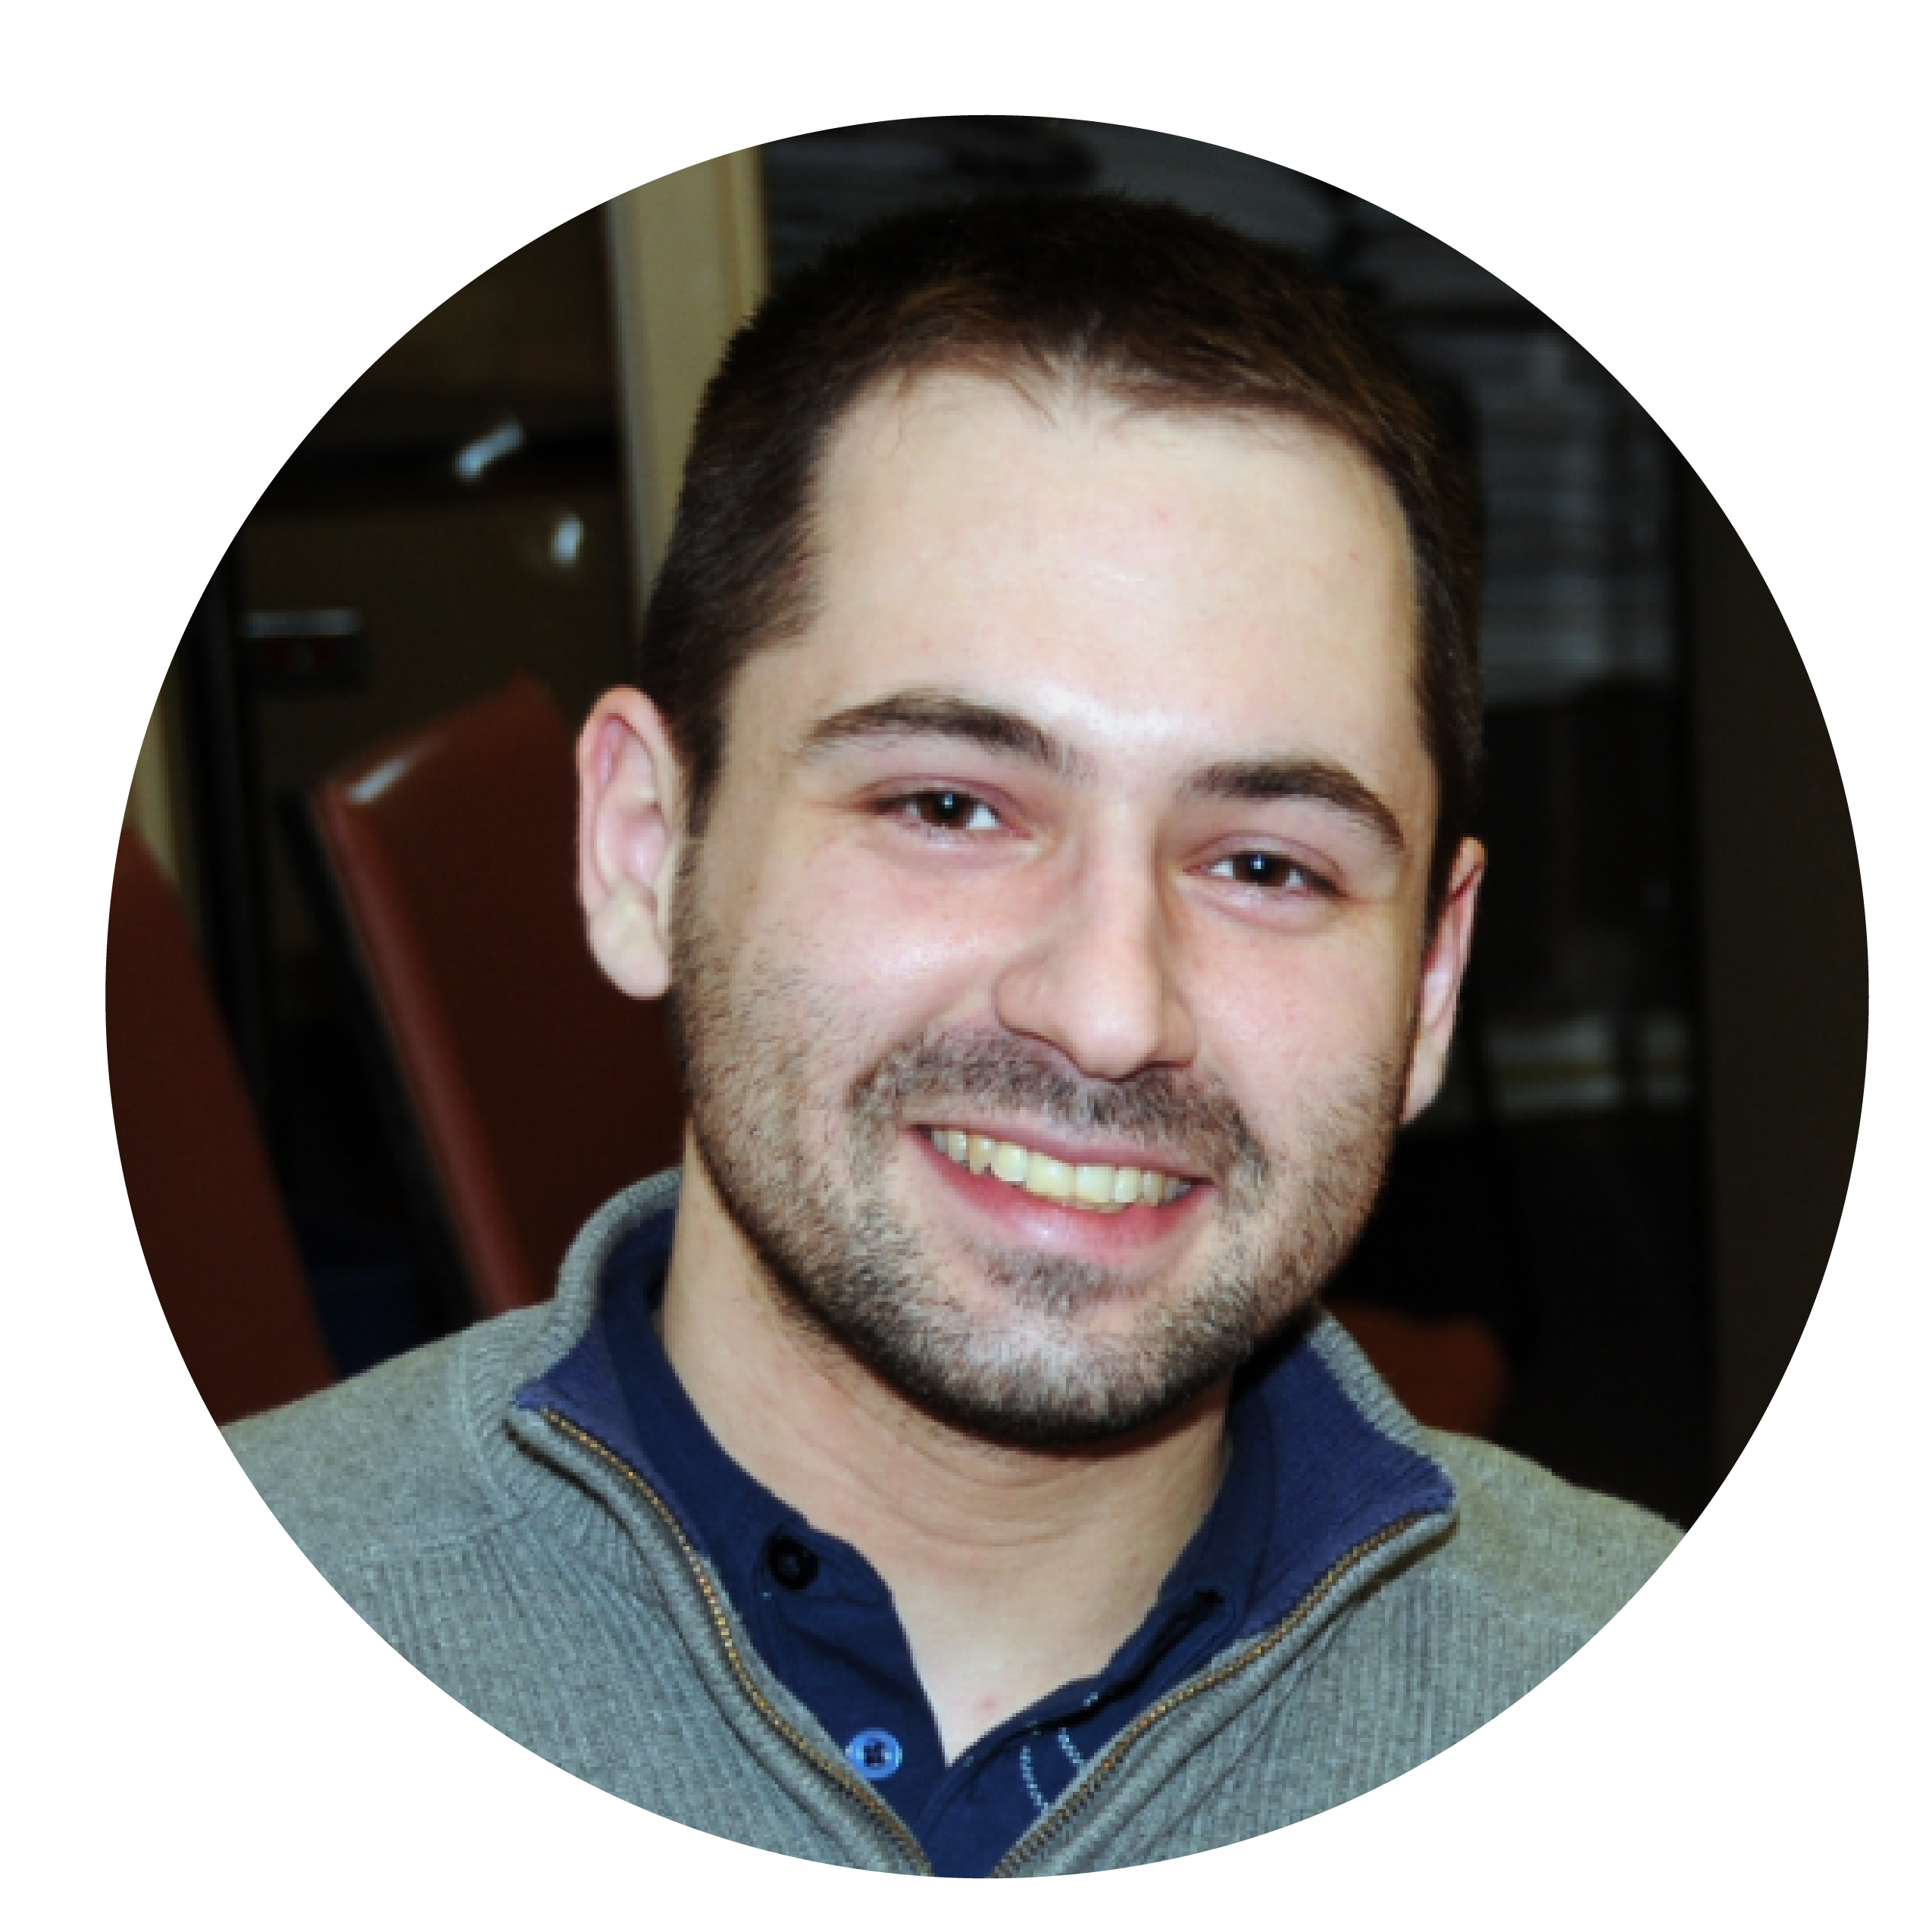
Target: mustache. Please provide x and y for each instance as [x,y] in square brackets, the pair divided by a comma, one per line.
[1188,1117]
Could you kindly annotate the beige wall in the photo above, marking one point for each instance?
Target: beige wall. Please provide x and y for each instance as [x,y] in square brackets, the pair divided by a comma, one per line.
[687,265]
[151,797]
[156,805]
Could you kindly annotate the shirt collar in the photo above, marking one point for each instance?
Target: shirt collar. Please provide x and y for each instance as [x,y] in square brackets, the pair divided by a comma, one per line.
[1322,1459]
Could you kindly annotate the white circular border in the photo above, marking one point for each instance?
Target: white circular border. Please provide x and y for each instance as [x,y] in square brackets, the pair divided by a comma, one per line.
[218,216]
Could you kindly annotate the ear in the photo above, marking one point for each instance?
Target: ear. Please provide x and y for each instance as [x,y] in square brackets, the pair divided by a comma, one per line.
[1442,966]
[629,804]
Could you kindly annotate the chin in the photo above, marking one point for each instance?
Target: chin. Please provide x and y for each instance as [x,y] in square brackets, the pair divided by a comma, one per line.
[1071,1399]
[1047,1356]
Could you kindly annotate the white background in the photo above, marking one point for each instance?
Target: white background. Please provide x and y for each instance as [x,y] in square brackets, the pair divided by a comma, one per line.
[216,217]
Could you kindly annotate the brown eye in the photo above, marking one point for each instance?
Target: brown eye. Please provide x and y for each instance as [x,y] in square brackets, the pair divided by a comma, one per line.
[1265,871]
[951,811]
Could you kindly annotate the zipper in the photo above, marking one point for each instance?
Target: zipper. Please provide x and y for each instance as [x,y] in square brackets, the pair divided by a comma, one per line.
[840,1774]
[1057,1821]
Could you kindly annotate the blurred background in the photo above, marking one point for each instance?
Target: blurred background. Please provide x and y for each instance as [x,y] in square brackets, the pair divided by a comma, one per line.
[1615,1217]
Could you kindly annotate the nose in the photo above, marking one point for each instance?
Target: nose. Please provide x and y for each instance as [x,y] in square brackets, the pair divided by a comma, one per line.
[1098,979]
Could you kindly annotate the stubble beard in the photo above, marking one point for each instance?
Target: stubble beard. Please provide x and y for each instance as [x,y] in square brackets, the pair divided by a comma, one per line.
[799,1162]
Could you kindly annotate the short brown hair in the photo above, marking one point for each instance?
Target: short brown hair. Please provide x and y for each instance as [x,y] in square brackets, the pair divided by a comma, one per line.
[1161,307]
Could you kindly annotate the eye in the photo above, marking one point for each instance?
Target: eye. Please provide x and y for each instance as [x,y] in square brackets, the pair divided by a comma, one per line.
[1266,871]
[950,811]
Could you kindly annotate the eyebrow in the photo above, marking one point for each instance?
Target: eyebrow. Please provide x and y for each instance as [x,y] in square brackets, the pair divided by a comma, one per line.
[1266,779]
[925,714]
[937,713]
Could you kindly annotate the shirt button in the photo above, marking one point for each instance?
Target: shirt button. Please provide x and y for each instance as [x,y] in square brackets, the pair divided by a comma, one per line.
[875,1754]
[791,1564]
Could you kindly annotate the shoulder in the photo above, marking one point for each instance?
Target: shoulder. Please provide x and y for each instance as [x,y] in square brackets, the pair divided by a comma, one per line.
[1539,1549]
[417,1455]
[400,1458]
[1525,1546]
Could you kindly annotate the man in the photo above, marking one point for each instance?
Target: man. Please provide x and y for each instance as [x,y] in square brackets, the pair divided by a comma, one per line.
[1047,810]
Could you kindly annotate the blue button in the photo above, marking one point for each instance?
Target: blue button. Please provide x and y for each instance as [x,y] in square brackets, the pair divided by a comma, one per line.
[875,1754]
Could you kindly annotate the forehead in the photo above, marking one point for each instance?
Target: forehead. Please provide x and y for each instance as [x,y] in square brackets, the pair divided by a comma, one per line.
[1155,582]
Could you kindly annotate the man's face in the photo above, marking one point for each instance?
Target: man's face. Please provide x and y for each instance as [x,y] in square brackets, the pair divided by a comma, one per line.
[1048,972]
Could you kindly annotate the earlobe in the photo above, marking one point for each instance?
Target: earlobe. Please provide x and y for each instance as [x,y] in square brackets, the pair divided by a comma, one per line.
[1443,965]
[625,941]
[628,804]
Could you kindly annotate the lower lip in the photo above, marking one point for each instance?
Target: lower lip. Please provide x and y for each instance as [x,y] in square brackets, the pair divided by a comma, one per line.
[1031,1220]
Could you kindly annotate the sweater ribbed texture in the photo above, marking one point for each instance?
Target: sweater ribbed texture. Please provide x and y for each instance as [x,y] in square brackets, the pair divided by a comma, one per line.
[522,1571]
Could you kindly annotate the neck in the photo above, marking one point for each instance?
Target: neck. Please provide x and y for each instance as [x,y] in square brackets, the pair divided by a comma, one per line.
[1013,1570]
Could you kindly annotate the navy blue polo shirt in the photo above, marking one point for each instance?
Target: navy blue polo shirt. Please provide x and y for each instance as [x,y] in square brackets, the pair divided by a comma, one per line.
[823,1619]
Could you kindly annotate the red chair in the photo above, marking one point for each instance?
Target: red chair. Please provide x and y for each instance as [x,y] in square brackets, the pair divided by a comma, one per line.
[539,1090]
[204,1197]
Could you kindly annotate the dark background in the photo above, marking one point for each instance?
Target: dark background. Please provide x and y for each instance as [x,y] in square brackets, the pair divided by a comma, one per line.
[1635,1172]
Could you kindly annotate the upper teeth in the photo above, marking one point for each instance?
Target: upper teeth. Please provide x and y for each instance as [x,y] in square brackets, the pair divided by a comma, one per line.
[1104,1190]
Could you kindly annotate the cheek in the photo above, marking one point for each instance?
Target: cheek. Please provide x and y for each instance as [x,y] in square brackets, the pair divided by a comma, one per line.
[882,941]
[1281,1021]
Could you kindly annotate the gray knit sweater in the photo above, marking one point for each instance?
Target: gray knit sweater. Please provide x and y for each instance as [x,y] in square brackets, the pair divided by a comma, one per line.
[527,1570]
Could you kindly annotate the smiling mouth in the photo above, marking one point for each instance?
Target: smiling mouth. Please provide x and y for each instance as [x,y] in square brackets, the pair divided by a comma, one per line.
[1097,1189]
